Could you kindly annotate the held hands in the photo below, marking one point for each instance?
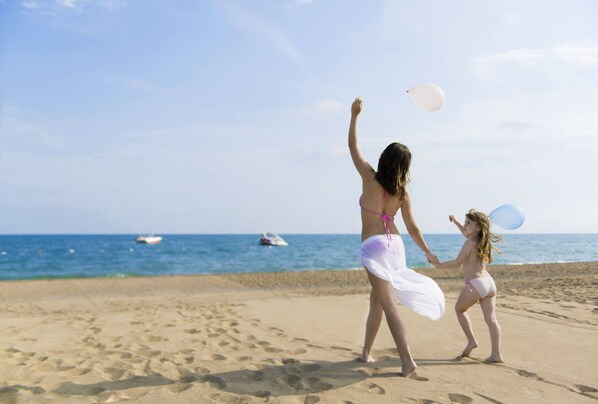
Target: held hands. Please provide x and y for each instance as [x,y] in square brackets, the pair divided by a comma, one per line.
[356,106]
[432,259]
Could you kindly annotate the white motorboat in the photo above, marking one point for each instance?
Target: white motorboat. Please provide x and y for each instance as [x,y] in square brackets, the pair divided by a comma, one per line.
[148,239]
[272,239]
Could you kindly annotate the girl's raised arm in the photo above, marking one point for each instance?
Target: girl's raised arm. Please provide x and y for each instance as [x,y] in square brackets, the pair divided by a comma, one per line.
[456,222]
[363,167]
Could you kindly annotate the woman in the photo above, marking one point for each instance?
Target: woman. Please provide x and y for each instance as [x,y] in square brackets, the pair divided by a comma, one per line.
[382,250]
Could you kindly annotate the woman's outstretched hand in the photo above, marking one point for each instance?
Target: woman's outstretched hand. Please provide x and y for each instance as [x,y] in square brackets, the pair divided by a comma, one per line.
[356,107]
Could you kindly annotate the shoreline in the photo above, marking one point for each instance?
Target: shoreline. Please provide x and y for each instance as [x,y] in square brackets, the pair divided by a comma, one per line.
[290,337]
[422,268]
[511,278]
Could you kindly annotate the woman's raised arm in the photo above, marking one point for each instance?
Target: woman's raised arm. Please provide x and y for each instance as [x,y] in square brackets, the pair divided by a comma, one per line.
[363,167]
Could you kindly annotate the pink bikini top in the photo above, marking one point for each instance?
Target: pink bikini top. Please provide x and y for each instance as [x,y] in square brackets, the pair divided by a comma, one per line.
[385,218]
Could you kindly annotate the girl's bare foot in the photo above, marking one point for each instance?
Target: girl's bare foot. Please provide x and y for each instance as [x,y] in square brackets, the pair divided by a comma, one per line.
[366,357]
[494,359]
[470,347]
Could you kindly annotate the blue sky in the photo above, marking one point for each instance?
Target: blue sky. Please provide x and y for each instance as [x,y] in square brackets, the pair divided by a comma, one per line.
[231,116]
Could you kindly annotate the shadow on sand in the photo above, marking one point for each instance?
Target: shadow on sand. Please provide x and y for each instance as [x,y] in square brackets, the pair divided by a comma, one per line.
[293,377]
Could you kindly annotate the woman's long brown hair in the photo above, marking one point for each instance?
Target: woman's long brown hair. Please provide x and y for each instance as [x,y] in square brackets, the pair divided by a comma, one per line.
[393,169]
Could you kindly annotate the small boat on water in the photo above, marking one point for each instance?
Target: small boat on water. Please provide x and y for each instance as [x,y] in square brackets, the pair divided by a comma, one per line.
[148,239]
[268,238]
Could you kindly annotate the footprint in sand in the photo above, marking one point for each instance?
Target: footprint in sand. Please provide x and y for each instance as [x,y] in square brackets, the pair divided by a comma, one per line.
[420,401]
[311,399]
[177,388]
[257,375]
[311,367]
[114,373]
[154,338]
[460,398]
[586,389]
[79,371]
[375,388]
[218,381]
[490,399]
[262,394]
[366,372]
[310,384]
[202,371]
[529,375]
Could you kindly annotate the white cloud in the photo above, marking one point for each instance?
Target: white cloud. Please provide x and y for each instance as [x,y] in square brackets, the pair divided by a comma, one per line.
[576,55]
[253,23]
[31,4]
[17,131]
[133,83]
[323,108]
[69,3]
[62,5]
[512,19]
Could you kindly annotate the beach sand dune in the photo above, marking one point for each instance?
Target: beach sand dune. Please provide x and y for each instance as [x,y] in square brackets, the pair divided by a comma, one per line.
[291,338]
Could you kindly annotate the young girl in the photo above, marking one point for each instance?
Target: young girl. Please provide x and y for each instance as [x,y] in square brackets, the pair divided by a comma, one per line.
[479,285]
[382,250]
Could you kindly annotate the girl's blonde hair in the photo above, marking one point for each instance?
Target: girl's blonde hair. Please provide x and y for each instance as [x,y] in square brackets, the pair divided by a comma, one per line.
[485,237]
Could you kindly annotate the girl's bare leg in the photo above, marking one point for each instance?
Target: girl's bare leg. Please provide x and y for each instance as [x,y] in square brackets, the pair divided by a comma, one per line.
[467,298]
[488,308]
[371,327]
[384,292]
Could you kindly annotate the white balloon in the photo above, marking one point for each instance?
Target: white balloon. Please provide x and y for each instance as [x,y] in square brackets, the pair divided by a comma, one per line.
[428,97]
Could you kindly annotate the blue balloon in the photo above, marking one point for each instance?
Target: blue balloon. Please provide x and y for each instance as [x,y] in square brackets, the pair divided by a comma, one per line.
[509,217]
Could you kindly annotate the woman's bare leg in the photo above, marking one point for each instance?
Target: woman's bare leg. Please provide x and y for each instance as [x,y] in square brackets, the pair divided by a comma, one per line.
[488,308]
[384,292]
[372,326]
[467,298]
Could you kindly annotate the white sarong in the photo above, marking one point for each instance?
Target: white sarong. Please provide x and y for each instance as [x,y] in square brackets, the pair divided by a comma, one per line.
[385,259]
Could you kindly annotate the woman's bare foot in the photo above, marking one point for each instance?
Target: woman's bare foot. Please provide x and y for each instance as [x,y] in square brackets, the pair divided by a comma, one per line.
[470,347]
[494,359]
[408,370]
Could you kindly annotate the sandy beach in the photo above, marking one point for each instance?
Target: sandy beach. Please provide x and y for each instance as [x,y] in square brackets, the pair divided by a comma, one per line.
[291,338]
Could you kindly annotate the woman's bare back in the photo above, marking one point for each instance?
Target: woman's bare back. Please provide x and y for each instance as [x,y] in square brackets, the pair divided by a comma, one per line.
[375,201]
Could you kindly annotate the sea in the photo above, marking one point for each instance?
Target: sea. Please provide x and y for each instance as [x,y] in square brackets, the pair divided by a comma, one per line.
[104,256]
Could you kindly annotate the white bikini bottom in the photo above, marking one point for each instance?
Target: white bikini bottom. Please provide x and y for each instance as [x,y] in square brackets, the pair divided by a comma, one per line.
[484,285]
